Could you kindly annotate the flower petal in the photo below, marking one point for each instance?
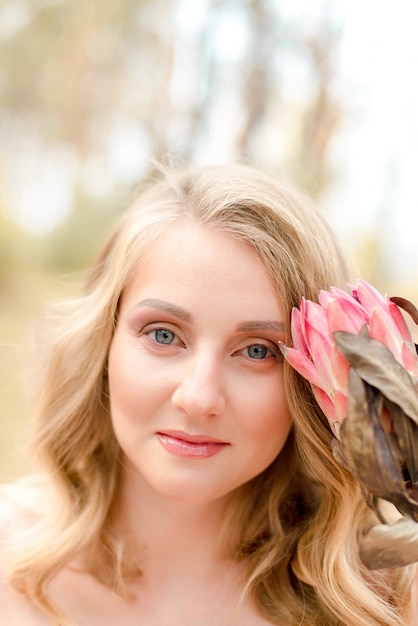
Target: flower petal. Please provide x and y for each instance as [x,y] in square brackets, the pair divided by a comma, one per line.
[320,351]
[399,321]
[298,339]
[340,401]
[383,328]
[340,367]
[338,294]
[316,316]
[369,297]
[410,359]
[327,406]
[302,364]
[345,315]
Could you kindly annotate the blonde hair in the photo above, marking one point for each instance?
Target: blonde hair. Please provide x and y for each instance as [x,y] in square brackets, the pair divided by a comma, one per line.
[296,525]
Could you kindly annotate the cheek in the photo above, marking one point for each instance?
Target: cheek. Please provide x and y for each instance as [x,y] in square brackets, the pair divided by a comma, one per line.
[267,417]
[124,381]
[273,428]
[265,428]
[137,389]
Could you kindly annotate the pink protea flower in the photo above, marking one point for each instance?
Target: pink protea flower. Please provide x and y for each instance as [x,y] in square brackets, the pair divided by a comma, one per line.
[315,354]
[358,354]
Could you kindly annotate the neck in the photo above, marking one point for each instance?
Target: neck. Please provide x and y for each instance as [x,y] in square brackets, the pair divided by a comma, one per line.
[170,534]
[178,548]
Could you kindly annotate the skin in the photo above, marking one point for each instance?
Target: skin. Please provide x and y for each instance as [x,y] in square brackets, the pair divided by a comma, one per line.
[191,370]
[196,352]
[198,407]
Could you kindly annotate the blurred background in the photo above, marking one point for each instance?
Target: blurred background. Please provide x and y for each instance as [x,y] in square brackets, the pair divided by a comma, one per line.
[322,92]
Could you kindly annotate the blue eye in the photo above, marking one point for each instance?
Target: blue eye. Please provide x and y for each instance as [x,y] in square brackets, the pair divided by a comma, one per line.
[257,351]
[164,336]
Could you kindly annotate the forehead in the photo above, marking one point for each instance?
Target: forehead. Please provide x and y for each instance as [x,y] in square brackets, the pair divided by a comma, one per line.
[202,261]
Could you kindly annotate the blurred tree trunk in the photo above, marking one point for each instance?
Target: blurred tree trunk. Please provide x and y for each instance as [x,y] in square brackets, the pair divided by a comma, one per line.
[89,75]
[320,120]
[258,84]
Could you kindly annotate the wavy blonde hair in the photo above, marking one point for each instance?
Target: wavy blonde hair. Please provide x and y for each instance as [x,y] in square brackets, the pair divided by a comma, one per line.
[296,525]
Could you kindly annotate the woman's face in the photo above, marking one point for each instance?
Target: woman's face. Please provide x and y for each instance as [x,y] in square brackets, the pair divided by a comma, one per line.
[195,375]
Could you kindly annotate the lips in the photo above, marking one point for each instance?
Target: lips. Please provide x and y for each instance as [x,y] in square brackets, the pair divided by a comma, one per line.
[184,444]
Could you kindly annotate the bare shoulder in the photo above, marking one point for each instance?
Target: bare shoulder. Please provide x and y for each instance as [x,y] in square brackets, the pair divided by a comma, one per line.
[21,503]
[21,506]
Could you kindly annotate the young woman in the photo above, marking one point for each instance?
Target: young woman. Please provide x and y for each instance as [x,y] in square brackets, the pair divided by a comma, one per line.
[188,478]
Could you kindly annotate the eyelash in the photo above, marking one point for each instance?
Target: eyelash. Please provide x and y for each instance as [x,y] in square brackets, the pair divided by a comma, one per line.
[269,351]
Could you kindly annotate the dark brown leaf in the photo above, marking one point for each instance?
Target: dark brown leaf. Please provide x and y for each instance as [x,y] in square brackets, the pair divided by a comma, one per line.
[375,364]
[407,438]
[364,442]
[407,306]
[390,545]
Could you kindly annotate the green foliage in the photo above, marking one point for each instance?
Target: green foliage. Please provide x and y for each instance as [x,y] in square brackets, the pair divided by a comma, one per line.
[72,246]
[114,84]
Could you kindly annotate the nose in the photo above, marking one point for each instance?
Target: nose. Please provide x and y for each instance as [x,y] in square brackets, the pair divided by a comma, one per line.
[200,387]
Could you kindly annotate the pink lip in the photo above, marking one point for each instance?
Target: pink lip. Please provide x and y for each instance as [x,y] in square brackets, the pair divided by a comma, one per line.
[183,444]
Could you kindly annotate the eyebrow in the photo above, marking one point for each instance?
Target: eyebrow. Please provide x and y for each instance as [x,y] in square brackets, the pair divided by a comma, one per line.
[261,325]
[168,307]
[182,314]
